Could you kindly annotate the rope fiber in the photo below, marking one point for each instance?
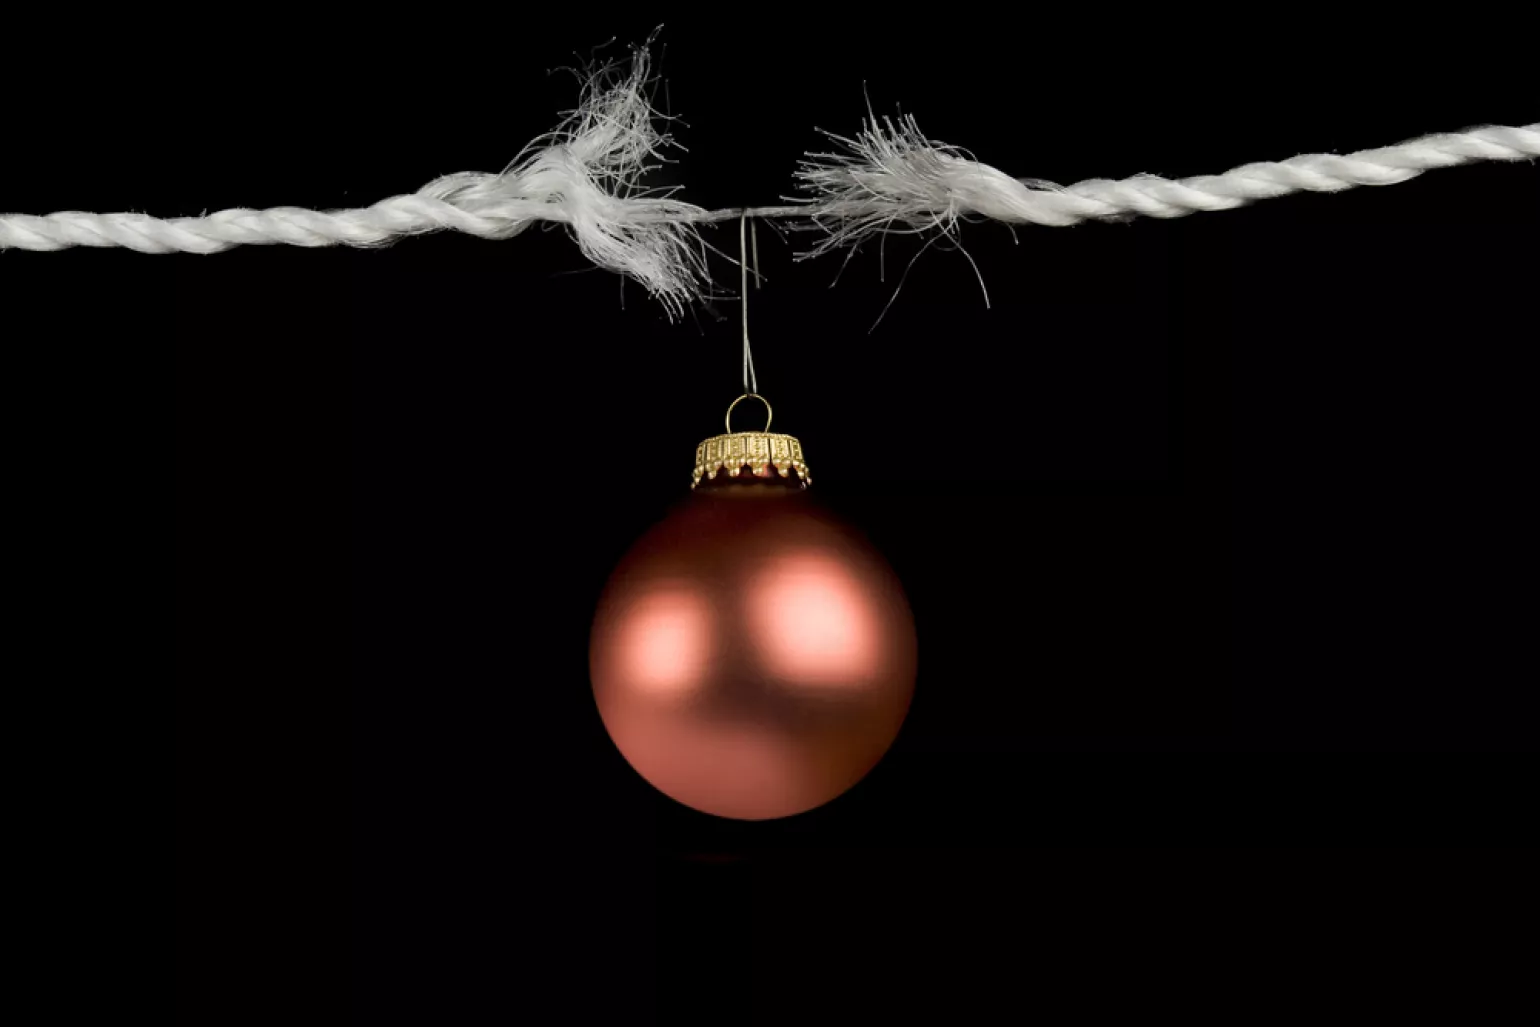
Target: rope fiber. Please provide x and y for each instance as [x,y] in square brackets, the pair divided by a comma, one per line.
[888,178]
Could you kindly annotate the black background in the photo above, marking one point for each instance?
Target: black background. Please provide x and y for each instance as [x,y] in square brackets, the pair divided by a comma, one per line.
[1211,527]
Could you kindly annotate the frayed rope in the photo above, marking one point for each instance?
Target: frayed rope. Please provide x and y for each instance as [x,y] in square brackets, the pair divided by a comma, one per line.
[586,174]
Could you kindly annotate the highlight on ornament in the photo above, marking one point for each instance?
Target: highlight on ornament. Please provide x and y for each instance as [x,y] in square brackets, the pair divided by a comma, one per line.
[752,656]
[889,177]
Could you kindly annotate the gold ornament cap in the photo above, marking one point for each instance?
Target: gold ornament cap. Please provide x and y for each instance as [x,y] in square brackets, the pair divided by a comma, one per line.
[761,453]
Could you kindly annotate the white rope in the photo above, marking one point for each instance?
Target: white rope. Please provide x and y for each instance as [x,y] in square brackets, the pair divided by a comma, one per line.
[888,178]
[891,174]
[583,175]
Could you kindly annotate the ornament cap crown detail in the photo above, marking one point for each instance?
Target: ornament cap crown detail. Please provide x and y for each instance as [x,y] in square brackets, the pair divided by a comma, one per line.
[761,453]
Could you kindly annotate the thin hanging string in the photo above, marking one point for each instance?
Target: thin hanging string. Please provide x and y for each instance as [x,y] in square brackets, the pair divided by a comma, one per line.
[745,232]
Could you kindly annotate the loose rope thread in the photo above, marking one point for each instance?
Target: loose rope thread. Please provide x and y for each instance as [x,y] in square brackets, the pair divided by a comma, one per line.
[888,178]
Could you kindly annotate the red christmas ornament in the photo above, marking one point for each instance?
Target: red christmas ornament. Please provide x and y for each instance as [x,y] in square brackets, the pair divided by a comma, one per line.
[752,657]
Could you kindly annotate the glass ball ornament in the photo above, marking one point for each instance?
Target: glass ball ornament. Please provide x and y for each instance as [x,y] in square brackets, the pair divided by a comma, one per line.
[752,656]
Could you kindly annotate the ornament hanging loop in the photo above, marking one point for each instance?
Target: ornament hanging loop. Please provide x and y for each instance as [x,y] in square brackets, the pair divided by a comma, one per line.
[749,395]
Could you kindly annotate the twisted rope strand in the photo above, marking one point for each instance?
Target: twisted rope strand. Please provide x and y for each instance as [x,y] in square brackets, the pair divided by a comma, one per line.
[921,182]
[888,178]
[891,174]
